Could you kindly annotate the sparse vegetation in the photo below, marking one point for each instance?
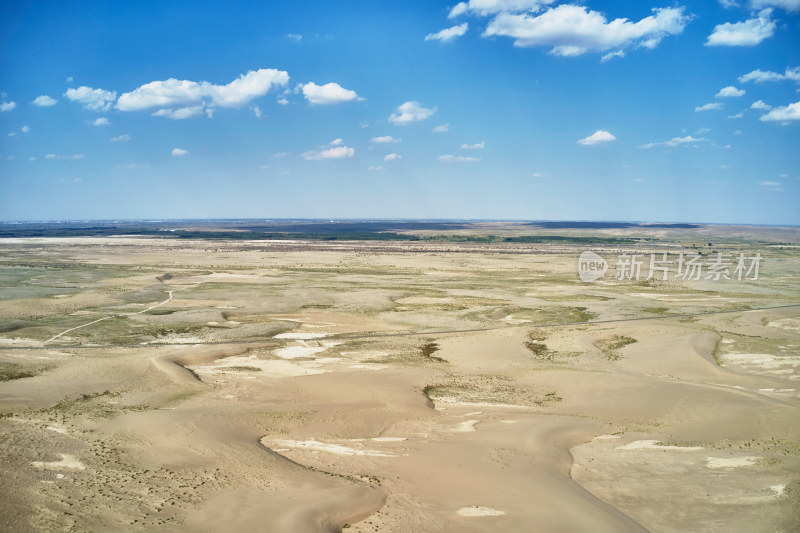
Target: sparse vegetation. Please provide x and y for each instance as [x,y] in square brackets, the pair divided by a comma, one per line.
[611,346]
[12,371]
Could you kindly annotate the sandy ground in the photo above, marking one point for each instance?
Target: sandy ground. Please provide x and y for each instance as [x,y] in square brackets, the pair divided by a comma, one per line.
[194,386]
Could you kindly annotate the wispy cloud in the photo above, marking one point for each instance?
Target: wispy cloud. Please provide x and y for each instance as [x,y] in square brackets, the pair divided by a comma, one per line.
[179,152]
[385,139]
[713,106]
[448,34]
[336,152]
[675,141]
[44,101]
[458,159]
[476,146]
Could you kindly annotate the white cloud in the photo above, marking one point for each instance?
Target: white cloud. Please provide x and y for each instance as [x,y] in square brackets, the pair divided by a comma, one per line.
[295,37]
[485,8]
[337,152]
[330,93]
[44,101]
[730,92]
[411,112]
[7,106]
[709,107]
[257,112]
[600,136]
[25,129]
[70,79]
[102,121]
[675,141]
[612,55]
[783,114]
[476,146]
[385,139]
[92,99]
[788,5]
[393,157]
[727,4]
[573,30]
[180,113]
[442,129]
[283,101]
[776,186]
[184,98]
[537,175]
[12,134]
[759,104]
[747,33]
[737,115]
[121,138]
[458,159]
[280,155]
[179,151]
[336,142]
[448,34]
[375,168]
[65,157]
[761,76]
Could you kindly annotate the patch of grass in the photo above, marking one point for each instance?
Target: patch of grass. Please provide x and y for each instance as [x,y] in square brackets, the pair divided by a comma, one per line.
[656,310]
[428,349]
[537,347]
[488,389]
[12,371]
[610,346]
[242,368]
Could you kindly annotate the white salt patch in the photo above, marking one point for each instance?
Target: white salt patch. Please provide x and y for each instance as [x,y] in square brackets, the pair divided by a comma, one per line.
[474,413]
[337,449]
[465,427]
[58,429]
[474,511]
[389,439]
[59,476]
[423,300]
[300,335]
[19,342]
[179,340]
[67,461]
[296,352]
[792,324]
[511,320]
[509,421]
[651,445]
[606,437]
[728,341]
[730,462]
[778,489]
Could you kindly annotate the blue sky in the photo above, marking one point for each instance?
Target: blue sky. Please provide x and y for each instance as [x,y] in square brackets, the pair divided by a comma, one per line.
[485,109]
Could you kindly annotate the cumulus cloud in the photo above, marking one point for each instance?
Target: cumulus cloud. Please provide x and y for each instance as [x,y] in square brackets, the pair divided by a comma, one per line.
[458,159]
[44,101]
[179,151]
[573,30]
[788,113]
[385,139]
[393,157]
[675,141]
[337,142]
[121,138]
[411,112]
[444,128]
[709,107]
[485,8]
[102,121]
[92,99]
[747,33]
[761,76]
[730,92]
[184,99]
[598,137]
[448,34]
[788,5]
[759,104]
[7,106]
[337,152]
[330,93]
[476,146]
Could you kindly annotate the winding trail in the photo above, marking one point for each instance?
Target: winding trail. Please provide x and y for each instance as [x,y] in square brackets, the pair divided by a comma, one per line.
[51,339]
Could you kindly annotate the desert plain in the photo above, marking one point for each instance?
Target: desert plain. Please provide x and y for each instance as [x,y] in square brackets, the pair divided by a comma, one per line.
[166,384]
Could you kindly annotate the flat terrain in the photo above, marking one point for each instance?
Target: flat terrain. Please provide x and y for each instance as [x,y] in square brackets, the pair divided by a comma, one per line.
[153,384]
